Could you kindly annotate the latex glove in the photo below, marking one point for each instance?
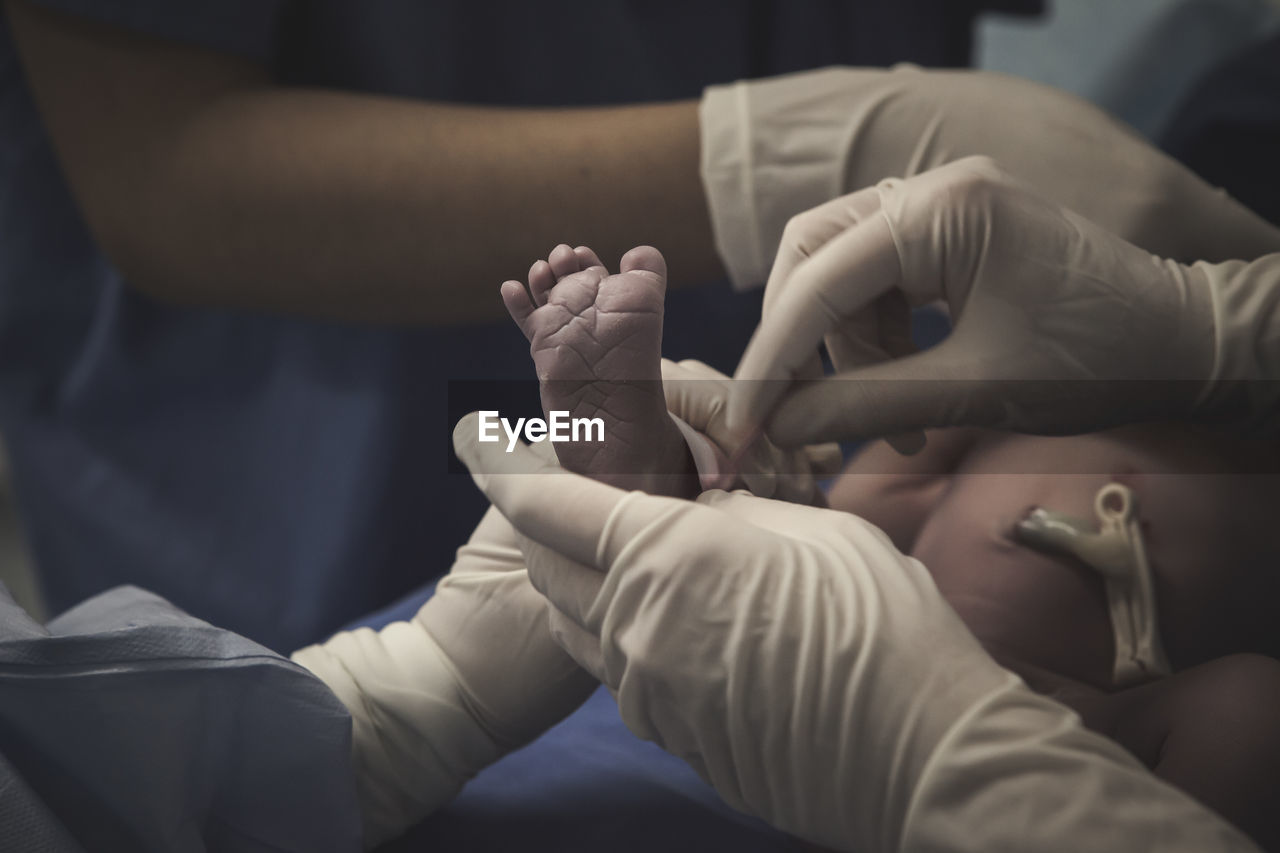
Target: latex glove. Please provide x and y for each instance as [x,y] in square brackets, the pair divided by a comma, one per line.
[813,674]
[776,147]
[1060,326]
[697,395]
[472,676]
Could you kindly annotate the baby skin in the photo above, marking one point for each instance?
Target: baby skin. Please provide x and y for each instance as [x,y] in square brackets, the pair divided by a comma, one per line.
[596,342]
[1209,522]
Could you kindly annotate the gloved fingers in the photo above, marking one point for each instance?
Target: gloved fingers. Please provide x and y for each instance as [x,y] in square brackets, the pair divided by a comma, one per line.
[796,488]
[825,291]
[689,368]
[894,315]
[772,472]
[578,643]
[495,531]
[880,334]
[489,556]
[825,460]
[695,393]
[761,483]
[899,399]
[793,473]
[650,523]
[769,471]
[582,524]
[811,368]
[847,275]
[856,342]
[806,235]
[808,232]
[570,586]
[564,511]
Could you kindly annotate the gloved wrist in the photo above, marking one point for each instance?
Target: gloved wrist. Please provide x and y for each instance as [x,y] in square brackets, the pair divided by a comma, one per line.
[770,149]
[436,699]
[776,147]
[726,181]
[413,741]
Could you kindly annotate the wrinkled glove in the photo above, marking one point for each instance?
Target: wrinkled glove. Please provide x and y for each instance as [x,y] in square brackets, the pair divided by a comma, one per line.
[814,676]
[474,675]
[1059,326]
[776,147]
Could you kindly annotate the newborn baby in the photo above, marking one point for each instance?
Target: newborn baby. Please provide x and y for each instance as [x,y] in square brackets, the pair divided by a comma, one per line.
[1197,702]
[1200,707]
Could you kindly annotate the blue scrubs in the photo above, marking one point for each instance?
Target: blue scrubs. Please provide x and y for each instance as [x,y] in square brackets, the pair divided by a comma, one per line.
[277,476]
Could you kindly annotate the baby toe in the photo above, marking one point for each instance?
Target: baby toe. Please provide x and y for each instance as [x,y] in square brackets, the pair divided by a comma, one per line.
[541,280]
[587,257]
[563,261]
[518,301]
[645,259]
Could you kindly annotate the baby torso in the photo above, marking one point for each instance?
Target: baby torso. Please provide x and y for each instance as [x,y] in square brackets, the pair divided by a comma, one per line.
[1209,517]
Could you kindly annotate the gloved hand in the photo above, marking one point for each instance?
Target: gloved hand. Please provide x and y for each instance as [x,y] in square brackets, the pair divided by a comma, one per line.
[776,147]
[814,675]
[697,394]
[1060,326]
[472,676]
[476,674]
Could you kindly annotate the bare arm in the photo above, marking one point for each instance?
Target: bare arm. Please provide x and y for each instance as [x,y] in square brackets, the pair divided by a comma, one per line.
[205,183]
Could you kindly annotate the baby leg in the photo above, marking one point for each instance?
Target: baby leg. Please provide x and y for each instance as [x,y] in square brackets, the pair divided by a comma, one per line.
[596,341]
[1213,731]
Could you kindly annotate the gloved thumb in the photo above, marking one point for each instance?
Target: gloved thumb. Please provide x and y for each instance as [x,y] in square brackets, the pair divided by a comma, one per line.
[550,505]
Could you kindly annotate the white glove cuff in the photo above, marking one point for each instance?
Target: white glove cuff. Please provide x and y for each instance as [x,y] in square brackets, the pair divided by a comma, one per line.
[726,178]
[770,149]
[774,148]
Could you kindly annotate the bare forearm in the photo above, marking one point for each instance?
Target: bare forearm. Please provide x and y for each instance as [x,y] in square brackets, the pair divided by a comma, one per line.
[208,184]
[387,210]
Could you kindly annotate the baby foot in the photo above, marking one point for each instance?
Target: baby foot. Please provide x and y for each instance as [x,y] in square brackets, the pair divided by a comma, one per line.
[596,341]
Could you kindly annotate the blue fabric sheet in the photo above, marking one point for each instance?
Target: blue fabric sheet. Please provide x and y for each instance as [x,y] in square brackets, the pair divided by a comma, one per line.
[127,725]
